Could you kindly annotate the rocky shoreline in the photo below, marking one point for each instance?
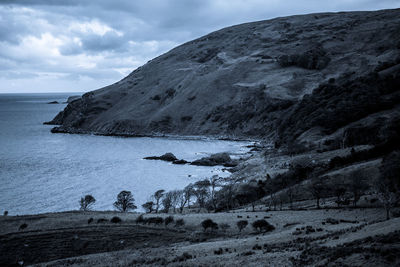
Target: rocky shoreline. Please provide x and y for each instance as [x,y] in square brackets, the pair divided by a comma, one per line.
[73,130]
[222,159]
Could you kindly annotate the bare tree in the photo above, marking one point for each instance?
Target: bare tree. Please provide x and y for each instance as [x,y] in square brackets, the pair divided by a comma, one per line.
[157,196]
[175,199]
[228,192]
[86,202]
[291,194]
[248,194]
[125,201]
[357,185]
[317,188]
[388,184]
[167,201]
[188,192]
[338,189]
[273,200]
[182,200]
[148,206]
[281,200]
[269,190]
[201,191]
[214,182]
[386,195]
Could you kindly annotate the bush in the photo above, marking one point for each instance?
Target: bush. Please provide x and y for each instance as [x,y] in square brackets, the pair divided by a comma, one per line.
[23,226]
[179,223]
[262,226]
[168,220]
[154,220]
[242,224]
[101,220]
[90,220]
[140,219]
[115,219]
[219,251]
[208,223]
[5,213]
[368,95]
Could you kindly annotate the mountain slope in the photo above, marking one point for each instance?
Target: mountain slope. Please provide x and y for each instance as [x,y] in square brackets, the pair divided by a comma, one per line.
[250,80]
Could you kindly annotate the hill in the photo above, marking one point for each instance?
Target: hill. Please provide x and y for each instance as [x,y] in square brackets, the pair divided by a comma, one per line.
[317,79]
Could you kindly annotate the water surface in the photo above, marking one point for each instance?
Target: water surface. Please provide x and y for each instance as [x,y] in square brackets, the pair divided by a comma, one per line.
[45,172]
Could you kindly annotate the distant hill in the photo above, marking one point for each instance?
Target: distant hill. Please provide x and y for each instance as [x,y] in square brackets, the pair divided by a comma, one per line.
[318,79]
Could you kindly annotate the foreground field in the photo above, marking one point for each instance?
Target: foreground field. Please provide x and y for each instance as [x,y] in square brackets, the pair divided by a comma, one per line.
[300,238]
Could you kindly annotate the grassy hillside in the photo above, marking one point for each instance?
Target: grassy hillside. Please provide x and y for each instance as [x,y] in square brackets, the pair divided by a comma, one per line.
[286,78]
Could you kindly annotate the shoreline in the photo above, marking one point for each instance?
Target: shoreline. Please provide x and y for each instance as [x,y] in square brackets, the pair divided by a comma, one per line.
[70,130]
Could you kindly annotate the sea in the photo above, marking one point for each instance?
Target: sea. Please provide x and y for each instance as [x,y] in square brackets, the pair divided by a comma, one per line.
[43,172]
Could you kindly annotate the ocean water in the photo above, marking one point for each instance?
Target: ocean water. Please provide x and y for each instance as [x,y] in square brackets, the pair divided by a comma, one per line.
[44,172]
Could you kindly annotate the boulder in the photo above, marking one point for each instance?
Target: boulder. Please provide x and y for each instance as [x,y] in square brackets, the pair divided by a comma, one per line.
[166,157]
[204,162]
[180,161]
[215,159]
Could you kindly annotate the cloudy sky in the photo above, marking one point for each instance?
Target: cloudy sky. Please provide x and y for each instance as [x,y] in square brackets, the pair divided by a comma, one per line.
[79,45]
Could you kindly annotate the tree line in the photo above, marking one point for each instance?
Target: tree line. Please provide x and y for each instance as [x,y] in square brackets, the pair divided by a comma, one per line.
[219,194]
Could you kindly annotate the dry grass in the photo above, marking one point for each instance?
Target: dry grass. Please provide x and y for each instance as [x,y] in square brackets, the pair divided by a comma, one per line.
[156,245]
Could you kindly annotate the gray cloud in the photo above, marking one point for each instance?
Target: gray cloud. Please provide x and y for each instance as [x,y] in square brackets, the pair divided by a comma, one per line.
[92,43]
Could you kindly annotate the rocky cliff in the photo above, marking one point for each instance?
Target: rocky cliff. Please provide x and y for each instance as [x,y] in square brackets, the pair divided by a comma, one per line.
[310,77]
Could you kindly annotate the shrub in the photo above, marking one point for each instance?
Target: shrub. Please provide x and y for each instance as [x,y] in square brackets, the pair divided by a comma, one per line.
[179,223]
[154,220]
[140,219]
[101,220]
[115,219]
[262,226]
[90,220]
[168,220]
[5,213]
[242,224]
[156,97]
[208,223]
[23,226]
[219,251]
[257,247]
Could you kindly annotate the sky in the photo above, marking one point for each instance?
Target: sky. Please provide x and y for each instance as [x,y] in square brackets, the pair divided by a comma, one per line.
[83,45]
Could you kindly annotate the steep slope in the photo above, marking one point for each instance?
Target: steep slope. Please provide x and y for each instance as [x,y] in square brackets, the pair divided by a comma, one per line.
[250,80]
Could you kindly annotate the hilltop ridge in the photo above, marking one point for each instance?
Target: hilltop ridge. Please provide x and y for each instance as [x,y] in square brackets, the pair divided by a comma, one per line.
[287,78]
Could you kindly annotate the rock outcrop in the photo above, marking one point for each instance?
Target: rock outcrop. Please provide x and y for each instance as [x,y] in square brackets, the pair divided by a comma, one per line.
[251,80]
[215,159]
[166,157]
[73,98]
